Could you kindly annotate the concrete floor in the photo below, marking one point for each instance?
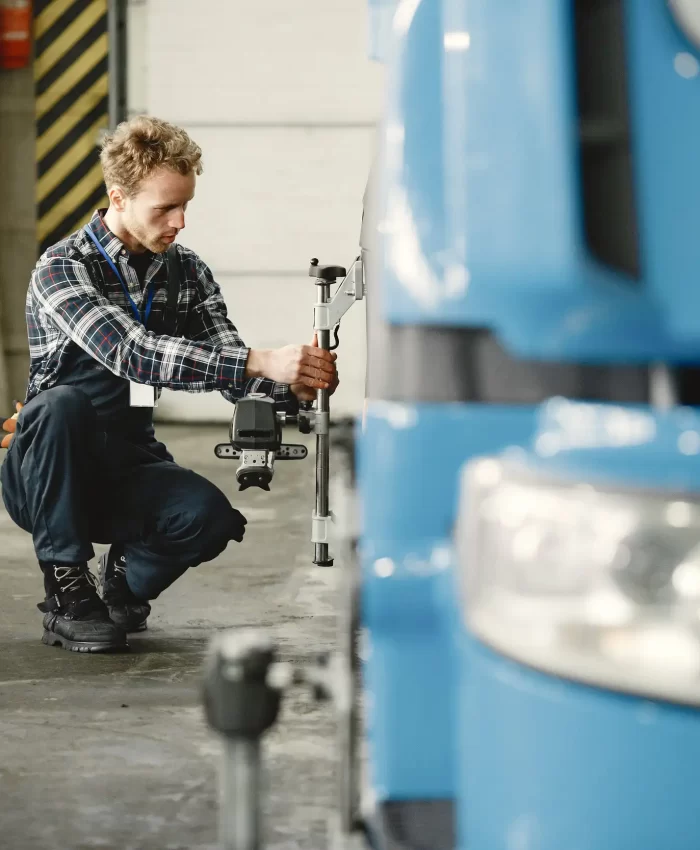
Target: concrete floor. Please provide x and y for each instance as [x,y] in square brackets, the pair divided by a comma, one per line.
[113,751]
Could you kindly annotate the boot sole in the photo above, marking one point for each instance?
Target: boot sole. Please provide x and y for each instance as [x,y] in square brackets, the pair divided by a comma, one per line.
[52,639]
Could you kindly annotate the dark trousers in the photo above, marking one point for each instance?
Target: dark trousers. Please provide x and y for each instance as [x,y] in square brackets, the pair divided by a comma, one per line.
[69,484]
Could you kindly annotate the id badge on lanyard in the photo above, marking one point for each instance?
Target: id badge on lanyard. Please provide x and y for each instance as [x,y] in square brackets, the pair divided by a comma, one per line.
[140,395]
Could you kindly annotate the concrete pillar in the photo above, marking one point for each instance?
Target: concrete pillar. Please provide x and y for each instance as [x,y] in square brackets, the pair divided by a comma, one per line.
[17,228]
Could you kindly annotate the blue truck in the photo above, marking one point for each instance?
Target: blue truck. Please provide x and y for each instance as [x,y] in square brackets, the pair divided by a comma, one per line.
[528,461]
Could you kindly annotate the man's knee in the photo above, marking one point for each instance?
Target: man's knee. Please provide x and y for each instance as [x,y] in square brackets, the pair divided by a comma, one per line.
[196,527]
[208,519]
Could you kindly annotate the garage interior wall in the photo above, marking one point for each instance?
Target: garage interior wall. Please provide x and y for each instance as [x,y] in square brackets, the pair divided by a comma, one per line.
[283,101]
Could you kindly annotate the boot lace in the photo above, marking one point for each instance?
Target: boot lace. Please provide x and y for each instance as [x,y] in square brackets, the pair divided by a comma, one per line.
[76,578]
[120,566]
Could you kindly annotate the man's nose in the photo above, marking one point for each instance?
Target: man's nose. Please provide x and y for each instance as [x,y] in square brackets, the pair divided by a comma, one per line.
[177,221]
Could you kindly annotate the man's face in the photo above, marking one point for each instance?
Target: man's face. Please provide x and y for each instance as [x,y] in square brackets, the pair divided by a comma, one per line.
[156,214]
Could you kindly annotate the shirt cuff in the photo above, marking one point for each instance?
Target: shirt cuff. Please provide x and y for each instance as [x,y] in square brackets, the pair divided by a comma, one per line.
[290,402]
[230,370]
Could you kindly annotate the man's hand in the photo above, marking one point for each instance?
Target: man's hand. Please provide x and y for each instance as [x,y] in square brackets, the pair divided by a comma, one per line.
[304,393]
[10,425]
[306,366]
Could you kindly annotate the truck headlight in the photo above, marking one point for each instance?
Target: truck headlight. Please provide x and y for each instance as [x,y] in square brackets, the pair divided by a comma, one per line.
[687,15]
[586,583]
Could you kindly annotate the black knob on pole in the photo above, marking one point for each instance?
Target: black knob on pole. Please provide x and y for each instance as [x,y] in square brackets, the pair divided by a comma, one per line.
[238,700]
[325,274]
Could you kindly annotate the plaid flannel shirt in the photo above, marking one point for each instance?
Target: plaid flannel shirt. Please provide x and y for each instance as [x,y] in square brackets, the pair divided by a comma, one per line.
[66,303]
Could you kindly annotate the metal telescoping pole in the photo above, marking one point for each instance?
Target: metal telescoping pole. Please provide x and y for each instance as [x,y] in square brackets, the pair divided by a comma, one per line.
[239,810]
[322,439]
[243,685]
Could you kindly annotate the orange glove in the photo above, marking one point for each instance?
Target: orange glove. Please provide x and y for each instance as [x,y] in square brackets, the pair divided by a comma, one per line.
[9,425]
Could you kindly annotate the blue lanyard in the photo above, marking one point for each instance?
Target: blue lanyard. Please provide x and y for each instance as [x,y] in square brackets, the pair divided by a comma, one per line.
[151,290]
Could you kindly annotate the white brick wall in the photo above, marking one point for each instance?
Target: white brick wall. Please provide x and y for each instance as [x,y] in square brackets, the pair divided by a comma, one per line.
[282,99]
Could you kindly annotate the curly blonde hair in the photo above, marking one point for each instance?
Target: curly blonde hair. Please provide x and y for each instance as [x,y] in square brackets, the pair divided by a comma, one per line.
[143,144]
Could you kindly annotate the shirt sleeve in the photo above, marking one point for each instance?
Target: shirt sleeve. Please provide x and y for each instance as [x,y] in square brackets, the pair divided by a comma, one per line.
[69,301]
[209,322]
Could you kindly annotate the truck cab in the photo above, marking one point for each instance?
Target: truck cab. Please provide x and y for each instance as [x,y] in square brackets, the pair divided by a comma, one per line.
[528,472]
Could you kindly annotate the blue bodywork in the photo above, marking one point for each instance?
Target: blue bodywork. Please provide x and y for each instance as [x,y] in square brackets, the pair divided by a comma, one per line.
[511,253]
[409,598]
[482,227]
[550,764]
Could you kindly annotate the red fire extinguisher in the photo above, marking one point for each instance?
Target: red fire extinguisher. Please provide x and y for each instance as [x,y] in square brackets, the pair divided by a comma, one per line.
[15,33]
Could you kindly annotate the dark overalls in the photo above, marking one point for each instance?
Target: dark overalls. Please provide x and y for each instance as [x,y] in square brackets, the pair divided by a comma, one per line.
[85,467]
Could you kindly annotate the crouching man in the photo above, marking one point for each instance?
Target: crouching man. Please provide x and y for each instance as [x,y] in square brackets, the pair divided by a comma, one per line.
[116,312]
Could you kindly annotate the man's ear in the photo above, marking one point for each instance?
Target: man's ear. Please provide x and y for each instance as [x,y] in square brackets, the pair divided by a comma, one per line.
[117,198]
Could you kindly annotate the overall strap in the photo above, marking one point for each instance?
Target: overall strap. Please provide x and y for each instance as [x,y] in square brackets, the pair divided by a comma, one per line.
[172,260]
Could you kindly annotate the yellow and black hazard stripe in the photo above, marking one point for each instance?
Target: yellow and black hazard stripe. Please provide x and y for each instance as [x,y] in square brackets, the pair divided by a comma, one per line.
[72,111]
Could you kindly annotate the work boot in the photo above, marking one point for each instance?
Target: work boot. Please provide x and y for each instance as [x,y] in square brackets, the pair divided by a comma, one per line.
[125,609]
[76,618]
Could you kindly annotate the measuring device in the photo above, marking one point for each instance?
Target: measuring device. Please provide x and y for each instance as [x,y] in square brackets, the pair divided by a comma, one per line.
[256,427]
